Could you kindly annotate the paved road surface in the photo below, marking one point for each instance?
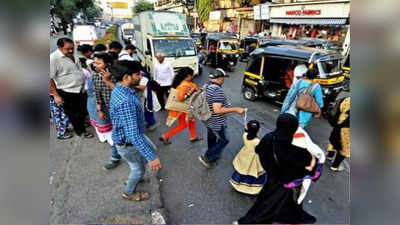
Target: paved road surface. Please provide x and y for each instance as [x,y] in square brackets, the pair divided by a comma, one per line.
[193,194]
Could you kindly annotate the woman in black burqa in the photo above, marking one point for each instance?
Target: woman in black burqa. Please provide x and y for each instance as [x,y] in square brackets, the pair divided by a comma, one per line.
[283,163]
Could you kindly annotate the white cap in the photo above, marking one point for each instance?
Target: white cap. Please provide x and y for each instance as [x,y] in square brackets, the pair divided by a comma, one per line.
[300,70]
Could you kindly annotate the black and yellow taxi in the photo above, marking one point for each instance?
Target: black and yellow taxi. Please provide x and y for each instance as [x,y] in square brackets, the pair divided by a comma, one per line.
[268,68]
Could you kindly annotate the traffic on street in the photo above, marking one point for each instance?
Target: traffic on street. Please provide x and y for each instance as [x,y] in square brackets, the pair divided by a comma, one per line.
[267,114]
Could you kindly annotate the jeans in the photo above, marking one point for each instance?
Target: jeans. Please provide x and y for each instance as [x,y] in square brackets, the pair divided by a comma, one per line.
[137,164]
[217,141]
[115,157]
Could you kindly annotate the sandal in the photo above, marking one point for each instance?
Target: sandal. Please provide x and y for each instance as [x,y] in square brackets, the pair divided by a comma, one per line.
[88,135]
[165,141]
[196,139]
[65,137]
[137,196]
[337,169]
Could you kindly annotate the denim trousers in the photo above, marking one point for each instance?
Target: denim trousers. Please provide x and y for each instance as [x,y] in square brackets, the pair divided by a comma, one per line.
[216,141]
[137,164]
[115,157]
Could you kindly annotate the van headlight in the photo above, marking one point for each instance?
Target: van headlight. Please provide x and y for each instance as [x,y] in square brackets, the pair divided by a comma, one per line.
[223,56]
[327,91]
[237,55]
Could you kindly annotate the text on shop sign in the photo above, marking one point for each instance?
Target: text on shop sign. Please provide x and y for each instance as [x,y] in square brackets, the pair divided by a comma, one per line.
[303,12]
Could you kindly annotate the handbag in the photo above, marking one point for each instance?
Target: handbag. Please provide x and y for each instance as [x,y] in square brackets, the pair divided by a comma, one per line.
[306,101]
[174,104]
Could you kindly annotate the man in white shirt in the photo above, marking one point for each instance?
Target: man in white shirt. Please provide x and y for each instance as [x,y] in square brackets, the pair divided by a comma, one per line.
[66,85]
[129,53]
[163,75]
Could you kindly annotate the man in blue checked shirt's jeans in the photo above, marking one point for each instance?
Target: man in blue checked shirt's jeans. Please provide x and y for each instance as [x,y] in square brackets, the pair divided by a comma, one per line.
[128,127]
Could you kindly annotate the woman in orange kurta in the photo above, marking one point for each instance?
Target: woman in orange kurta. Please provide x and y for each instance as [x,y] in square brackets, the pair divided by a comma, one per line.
[183,82]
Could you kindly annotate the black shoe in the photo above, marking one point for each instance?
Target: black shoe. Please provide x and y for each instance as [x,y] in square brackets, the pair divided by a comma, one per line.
[205,162]
[111,165]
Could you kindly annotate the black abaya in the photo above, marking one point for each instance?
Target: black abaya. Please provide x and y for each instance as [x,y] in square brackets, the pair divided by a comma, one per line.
[275,203]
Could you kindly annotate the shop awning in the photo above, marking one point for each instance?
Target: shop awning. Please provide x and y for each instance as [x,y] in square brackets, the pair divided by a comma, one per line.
[309,21]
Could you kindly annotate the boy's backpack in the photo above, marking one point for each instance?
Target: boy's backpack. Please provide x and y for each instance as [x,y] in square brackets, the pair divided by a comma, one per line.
[334,114]
[199,106]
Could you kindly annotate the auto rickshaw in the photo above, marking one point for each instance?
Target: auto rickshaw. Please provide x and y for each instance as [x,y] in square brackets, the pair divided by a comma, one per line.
[196,40]
[328,45]
[268,70]
[222,50]
[346,71]
[277,41]
[247,45]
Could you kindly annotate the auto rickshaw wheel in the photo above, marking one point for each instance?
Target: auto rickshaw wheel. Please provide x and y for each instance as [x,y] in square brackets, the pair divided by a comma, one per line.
[249,94]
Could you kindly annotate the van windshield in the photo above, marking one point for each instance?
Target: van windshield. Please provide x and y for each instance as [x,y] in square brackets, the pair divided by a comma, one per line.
[329,67]
[174,48]
[128,31]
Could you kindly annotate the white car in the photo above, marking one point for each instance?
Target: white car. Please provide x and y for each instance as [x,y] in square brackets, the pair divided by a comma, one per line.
[84,34]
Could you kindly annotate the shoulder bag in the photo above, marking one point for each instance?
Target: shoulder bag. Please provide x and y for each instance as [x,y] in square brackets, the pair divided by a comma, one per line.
[174,104]
[306,101]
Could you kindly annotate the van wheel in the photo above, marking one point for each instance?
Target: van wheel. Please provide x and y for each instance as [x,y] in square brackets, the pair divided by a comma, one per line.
[249,94]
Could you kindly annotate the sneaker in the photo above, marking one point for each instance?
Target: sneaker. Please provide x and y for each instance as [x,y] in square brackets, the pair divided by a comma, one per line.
[205,162]
[111,165]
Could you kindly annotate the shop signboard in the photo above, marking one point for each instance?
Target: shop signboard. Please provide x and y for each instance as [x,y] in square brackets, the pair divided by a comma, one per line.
[257,12]
[118,5]
[323,10]
[265,11]
[215,15]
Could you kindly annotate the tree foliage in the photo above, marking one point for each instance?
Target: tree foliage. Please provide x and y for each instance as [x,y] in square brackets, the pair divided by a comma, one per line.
[203,8]
[68,9]
[143,5]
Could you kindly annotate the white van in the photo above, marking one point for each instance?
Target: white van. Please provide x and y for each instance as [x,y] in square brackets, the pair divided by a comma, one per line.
[166,33]
[127,33]
[84,34]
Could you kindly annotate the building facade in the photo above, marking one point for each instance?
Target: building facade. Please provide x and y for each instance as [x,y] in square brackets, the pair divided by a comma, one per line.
[316,19]
[117,9]
[171,5]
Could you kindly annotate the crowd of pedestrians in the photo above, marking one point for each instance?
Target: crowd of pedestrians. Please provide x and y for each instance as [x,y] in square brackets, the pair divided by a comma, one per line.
[107,88]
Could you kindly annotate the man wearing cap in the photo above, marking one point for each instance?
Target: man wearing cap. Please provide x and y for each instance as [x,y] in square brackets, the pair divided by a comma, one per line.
[299,72]
[216,125]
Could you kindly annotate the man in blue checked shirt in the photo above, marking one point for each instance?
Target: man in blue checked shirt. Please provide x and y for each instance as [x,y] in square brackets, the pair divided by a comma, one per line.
[128,127]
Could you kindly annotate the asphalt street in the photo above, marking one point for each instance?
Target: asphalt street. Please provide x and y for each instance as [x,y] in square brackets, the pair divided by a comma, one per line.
[194,194]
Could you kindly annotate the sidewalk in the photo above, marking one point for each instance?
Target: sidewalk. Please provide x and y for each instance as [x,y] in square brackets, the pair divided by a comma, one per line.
[82,192]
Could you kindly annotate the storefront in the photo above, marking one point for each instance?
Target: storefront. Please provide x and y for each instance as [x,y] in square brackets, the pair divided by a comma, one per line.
[261,17]
[247,24]
[327,20]
[223,21]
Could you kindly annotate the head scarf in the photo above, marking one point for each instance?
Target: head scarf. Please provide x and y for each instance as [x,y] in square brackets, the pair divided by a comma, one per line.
[286,126]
